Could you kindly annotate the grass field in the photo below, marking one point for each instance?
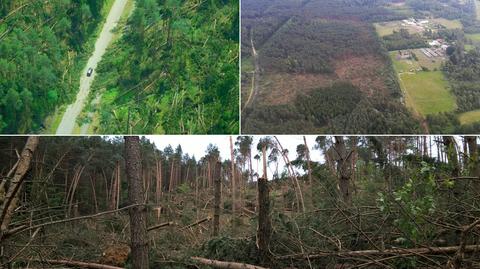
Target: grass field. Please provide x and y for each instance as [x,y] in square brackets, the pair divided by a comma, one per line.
[409,65]
[402,66]
[473,37]
[469,117]
[427,92]
[449,24]
[387,28]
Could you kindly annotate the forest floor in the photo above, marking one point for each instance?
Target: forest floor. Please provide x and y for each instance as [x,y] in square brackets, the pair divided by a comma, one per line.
[69,119]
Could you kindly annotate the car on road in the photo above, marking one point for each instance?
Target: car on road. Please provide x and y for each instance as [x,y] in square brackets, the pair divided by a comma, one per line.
[89,71]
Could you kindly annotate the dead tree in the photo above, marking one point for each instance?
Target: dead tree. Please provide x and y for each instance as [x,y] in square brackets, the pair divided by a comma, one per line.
[232,160]
[138,214]
[11,198]
[264,229]
[452,155]
[217,200]
[343,169]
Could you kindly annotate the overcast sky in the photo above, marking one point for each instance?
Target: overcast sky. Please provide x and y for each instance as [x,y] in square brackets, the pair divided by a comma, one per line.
[197,144]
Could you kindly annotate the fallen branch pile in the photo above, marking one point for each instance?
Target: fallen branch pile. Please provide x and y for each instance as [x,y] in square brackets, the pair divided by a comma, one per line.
[225,265]
[387,252]
[78,264]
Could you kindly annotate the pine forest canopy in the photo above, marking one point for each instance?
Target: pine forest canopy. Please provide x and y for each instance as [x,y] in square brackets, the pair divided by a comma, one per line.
[174,69]
[330,202]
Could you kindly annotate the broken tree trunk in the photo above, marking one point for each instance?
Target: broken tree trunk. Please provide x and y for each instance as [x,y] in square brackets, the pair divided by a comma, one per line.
[78,264]
[225,265]
[343,169]
[264,229]
[387,252]
[217,200]
[12,194]
[234,188]
[138,215]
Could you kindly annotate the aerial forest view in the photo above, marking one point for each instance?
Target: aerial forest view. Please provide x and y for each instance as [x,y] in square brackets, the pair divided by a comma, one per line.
[360,66]
[119,66]
[240,202]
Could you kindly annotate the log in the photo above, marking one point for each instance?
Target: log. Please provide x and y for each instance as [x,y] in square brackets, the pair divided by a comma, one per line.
[197,223]
[79,264]
[225,265]
[159,225]
[386,252]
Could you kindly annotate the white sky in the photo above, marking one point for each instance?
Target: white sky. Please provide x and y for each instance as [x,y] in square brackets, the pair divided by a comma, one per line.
[197,144]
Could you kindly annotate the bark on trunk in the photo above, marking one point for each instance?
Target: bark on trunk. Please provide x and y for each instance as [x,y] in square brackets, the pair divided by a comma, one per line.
[12,194]
[217,199]
[264,224]
[343,169]
[138,214]
[234,187]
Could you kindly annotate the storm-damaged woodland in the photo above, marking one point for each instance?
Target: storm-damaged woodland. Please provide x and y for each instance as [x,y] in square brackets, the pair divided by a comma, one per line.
[328,202]
[360,66]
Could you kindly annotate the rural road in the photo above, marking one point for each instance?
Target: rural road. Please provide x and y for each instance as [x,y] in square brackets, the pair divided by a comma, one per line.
[69,118]
[256,73]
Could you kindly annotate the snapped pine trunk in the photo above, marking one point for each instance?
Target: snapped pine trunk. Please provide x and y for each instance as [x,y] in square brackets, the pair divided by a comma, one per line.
[217,199]
[138,214]
[264,224]
[12,194]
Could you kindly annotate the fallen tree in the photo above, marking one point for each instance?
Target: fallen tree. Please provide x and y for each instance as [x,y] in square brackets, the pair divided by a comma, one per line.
[225,265]
[78,264]
[387,252]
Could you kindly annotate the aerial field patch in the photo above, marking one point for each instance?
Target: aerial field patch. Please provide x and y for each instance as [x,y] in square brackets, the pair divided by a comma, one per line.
[427,92]
[469,117]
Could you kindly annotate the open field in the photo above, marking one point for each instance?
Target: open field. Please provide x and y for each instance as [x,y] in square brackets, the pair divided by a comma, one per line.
[469,117]
[427,92]
[387,28]
[473,37]
[411,65]
[449,24]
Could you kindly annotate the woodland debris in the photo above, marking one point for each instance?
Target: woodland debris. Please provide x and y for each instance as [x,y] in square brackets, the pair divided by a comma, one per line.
[160,225]
[394,251]
[197,223]
[79,264]
[225,265]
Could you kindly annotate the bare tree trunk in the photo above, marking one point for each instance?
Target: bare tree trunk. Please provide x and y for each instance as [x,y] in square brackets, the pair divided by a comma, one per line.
[217,200]
[12,194]
[234,188]
[264,225]
[344,172]
[158,187]
[307,151]
[138,214]
[452,155]
[300,200]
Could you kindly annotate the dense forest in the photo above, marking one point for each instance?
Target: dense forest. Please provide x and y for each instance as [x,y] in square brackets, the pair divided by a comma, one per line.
[174,70]
[319,202]
[42,46]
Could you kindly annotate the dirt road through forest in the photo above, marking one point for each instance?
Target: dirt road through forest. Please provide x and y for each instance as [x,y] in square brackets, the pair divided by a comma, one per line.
[69,118]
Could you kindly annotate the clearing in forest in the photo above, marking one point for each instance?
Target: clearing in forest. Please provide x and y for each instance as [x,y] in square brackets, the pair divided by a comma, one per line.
[469,117]
[387,28]
[427,92]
